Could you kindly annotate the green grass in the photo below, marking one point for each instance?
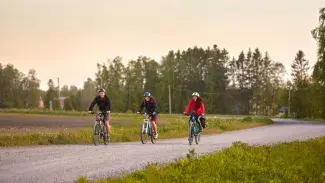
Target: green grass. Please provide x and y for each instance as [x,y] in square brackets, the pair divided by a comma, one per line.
[299,161]
[44,112]
[47,112]
[125,128]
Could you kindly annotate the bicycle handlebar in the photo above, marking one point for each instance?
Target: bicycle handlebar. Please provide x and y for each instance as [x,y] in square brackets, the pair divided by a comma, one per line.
[98,112]
[149,114]
[189,114]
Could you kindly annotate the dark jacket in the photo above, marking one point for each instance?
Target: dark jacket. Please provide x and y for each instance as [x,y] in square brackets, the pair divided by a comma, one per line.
[103,104]
[151,106]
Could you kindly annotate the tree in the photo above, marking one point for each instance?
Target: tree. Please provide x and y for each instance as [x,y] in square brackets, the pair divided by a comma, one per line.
[11,88]
[319,68]
[65,91]
[87,94]
[30,89]
[300,99]
[112,78]
[134,84]
[300,69]
[51,94]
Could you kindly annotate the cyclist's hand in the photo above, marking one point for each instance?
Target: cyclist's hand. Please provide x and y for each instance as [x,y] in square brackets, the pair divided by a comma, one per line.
[185,113]
[108,112]
[202,114]
[154,113]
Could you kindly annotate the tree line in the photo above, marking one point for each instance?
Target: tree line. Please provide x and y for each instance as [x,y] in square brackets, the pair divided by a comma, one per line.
[251,83]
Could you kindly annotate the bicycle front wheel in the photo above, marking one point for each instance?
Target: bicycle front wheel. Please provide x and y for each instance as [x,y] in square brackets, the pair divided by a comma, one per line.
[190,134]
[143,136]
[96,133]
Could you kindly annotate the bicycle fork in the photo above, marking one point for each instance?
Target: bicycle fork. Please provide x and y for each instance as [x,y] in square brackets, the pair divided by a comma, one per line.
[145,127]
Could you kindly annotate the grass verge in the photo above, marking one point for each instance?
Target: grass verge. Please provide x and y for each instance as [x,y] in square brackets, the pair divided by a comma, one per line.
[299,161]
[169,127]
[44,112]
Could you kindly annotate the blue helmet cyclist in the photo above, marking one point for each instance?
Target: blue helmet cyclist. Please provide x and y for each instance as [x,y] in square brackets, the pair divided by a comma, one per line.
[150,104]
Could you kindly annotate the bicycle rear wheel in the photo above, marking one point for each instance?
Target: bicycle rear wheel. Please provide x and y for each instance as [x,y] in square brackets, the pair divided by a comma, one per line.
[96,133]
[196,133]
[197,138]
[105,137]
[153,139]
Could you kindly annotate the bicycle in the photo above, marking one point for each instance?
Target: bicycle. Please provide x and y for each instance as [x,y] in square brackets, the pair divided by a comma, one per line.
[194,130]
[99,129]
[147,130]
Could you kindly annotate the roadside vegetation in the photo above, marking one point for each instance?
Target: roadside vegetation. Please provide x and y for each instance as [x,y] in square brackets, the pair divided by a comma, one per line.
[299,161]
[125,128]
[43,112]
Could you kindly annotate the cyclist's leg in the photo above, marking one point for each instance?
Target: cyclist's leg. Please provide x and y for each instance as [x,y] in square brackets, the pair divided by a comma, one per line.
[199,122]
[106,120]
[203,122]
[154,122]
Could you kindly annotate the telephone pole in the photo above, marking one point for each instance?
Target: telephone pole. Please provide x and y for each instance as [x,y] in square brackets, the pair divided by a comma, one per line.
[289,102]
[59,86]
[170,100]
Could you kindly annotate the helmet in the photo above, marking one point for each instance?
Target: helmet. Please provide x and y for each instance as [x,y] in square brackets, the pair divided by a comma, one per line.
[101,90]
[196,94]
[146,94]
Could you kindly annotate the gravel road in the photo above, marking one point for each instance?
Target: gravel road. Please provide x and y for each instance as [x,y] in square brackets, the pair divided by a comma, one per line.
[65,163]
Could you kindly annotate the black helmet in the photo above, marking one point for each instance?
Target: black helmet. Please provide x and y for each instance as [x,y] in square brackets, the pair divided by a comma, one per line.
[101,90]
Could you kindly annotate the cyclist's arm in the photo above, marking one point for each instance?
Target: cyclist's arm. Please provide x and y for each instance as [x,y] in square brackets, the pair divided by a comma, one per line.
[155,107]
[108,105]
[187,107]
[92,105]
[141,106]
[203,108]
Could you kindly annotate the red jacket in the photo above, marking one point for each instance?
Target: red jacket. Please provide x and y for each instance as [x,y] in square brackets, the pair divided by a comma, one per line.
[191,106]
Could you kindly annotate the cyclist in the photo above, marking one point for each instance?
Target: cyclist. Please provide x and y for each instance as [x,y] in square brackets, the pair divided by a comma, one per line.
[196,105]
[104,105]
[151,108]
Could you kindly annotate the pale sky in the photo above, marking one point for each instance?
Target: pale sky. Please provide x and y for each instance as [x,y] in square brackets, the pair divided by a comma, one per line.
[66,38]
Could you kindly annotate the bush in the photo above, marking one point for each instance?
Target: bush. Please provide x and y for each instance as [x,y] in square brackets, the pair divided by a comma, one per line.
[247,119]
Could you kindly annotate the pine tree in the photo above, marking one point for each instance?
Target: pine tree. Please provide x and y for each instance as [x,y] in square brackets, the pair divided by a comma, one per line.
[300,99]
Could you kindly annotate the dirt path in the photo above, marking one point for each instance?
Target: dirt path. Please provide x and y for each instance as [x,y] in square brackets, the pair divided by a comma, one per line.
[66,163]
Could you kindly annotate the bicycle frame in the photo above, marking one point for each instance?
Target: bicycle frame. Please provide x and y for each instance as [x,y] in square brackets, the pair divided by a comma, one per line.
[194,132]
[99,122]
[146,125]
[146,130]
[195,124]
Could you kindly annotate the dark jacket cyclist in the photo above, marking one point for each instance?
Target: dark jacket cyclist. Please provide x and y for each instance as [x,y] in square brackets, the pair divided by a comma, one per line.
[104,105]
[151,108]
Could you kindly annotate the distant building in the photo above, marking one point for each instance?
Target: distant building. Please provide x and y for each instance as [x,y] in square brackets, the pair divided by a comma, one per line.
[61,100]
[283,109]
[40,103]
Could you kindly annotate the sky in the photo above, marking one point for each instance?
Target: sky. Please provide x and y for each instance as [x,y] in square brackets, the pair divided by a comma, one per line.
[66,39]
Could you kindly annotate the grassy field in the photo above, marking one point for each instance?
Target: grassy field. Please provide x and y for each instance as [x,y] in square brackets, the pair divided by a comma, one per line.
[44,112]
[288,162]
[125,128]
[82,113]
